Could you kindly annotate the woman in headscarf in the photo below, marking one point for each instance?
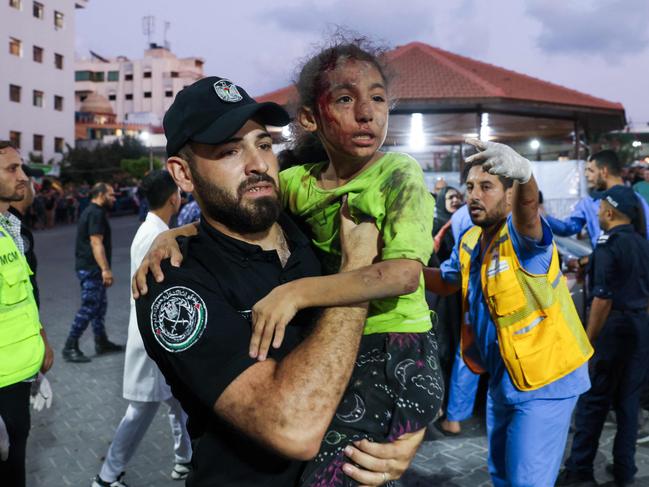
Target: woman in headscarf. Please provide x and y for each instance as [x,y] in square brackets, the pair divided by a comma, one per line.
[449,199]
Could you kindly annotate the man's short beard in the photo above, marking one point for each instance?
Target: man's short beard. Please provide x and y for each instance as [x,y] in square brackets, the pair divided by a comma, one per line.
[11,198]
[257,215]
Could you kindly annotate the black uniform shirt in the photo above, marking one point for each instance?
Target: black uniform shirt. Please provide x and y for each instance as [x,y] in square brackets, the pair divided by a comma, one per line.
[620,269]
[92,221]
[196,327]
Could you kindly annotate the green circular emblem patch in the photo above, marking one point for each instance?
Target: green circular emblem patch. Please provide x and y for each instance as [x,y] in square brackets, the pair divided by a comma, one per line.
[178,318]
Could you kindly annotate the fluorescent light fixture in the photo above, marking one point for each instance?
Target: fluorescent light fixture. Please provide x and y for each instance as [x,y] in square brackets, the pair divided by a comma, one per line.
[485,130]
[417,140]
[636,143]
[535,144]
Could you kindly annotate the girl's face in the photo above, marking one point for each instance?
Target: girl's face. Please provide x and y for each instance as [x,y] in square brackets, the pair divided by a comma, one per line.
[352,110]
[453,200]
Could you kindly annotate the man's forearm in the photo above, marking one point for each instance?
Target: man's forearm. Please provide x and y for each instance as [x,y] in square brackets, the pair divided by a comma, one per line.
[525,209]
[300,393]
[435,283]
[99,253]
[599,311]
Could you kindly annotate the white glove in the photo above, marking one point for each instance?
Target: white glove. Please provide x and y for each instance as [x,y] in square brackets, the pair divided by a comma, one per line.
[501,160]
[41,395]
[4,441]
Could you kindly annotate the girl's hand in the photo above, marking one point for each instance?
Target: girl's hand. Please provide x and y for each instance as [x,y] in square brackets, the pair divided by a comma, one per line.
[270,316]
[163,247]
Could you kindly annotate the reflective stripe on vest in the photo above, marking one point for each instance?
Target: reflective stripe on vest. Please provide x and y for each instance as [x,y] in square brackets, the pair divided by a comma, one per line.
[21,346]
[540,335]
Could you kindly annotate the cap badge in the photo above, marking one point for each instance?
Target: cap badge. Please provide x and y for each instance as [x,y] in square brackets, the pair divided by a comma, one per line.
[227,91]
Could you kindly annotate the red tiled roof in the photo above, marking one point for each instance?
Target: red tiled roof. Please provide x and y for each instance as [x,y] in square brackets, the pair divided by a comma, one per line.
[424,72]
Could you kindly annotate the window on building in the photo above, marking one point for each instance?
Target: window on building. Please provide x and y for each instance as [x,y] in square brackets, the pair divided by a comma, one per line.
[174,74]
[38,98]
[112,97]
[59,145]
[82,75]
[147,94]
[146,74]
[15,46]
[38,54]
[38,10]
[14,138]
[58,103]
[58,61]
[113,75]
[14,93]
[38,142]
[15,4]
[169,93]
[129,96]
[58,20]
[128,77]
[97,76]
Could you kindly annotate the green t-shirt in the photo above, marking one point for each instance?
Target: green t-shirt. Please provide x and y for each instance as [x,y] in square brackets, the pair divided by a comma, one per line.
[393,192]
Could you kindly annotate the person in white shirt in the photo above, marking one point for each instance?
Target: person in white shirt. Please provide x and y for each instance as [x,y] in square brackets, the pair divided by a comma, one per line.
[144,385]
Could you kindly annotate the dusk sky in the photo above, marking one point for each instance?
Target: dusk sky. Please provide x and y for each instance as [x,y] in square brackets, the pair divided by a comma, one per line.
[600,47]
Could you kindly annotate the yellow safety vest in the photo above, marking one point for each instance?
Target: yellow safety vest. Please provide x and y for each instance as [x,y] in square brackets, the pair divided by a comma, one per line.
[540,335]
[21,345]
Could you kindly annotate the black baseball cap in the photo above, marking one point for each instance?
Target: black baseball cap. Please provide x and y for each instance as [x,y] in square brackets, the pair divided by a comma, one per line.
[212,110]
[623,199]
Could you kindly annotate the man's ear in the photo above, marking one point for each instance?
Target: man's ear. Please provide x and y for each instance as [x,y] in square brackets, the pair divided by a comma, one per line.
[509,192]
[306,119]
[179,170]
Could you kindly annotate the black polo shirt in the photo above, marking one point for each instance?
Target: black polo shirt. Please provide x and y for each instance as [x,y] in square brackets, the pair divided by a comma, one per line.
[619,269]
[92,221]
[196,327]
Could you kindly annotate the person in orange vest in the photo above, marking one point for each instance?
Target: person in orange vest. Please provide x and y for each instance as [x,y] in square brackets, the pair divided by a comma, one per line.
[519,322]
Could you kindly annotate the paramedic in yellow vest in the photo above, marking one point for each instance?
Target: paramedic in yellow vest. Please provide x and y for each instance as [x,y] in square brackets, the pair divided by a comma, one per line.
[519,323]
[23,343]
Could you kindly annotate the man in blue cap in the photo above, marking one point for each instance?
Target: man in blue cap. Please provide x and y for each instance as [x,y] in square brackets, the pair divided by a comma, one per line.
[618,328]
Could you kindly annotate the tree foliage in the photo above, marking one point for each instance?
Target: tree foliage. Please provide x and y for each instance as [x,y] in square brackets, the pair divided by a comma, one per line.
[103,163]
[139,167]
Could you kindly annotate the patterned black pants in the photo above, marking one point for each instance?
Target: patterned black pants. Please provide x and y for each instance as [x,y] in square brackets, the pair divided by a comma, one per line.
[396,388]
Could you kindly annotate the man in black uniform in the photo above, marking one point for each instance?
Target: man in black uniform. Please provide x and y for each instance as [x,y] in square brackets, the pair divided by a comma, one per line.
[251,422]
[618,327]
[92,263]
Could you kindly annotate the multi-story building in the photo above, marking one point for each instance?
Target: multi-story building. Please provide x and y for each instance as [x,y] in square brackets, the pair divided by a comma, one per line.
[36,75]
[140,90]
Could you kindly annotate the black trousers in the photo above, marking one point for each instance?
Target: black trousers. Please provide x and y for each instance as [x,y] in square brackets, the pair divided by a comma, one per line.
[14,409]
[618,371]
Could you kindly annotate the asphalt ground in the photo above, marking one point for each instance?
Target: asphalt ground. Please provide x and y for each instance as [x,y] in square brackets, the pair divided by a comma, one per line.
[68,441]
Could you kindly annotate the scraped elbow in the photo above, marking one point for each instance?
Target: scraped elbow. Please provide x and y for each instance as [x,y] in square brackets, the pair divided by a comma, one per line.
[410,279]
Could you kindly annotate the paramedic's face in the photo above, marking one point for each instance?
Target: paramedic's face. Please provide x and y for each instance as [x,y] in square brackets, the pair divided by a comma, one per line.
[488,200]
[594,176]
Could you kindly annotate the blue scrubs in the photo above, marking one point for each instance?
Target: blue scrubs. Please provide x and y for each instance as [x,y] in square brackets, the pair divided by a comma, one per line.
[585,213]
[461,390]
[464,383]
[526,430]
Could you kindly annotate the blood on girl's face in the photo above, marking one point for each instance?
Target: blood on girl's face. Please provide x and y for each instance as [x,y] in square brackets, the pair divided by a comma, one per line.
[352,110]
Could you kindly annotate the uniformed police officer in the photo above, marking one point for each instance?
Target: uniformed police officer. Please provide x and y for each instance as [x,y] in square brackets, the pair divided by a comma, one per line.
[23,344]
[618,327]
